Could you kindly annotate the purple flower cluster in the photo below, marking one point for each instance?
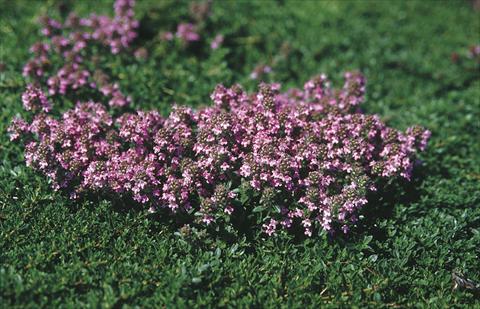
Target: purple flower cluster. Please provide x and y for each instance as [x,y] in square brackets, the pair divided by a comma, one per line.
[309,154]
[34,99]
[189,32]
[186,33]
[217,41]
[72,42]
[260,71]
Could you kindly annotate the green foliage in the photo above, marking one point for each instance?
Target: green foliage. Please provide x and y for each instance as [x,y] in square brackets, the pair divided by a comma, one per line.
[102,253]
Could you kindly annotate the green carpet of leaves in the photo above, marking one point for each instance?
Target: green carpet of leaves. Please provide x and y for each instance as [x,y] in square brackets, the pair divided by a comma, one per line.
[55,252]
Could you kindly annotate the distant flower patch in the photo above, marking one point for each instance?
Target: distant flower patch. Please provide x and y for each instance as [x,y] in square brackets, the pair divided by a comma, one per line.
[72,42]
[194,30]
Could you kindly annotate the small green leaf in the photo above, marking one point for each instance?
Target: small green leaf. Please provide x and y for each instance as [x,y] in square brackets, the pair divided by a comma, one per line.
[258,209]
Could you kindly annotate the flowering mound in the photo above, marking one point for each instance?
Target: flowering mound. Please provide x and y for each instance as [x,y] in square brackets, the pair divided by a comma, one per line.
[305,157]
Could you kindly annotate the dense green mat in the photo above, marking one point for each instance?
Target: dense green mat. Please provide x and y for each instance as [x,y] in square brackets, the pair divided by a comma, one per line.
[55,252]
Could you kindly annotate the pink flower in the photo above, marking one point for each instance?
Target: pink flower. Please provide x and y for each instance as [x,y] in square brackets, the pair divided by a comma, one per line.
[271,227]
[216,42]
[229,210]
[34,99]
[260,70]
[166,36]
[187,33]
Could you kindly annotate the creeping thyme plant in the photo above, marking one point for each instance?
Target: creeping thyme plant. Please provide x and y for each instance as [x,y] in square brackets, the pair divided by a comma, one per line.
[73,41]
[304,158]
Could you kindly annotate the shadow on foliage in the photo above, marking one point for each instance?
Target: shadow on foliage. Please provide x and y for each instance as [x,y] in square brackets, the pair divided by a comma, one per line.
[382,203]
[463,79]
[243,229]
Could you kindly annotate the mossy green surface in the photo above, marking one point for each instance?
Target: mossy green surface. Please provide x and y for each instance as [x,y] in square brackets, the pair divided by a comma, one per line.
[58,253]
